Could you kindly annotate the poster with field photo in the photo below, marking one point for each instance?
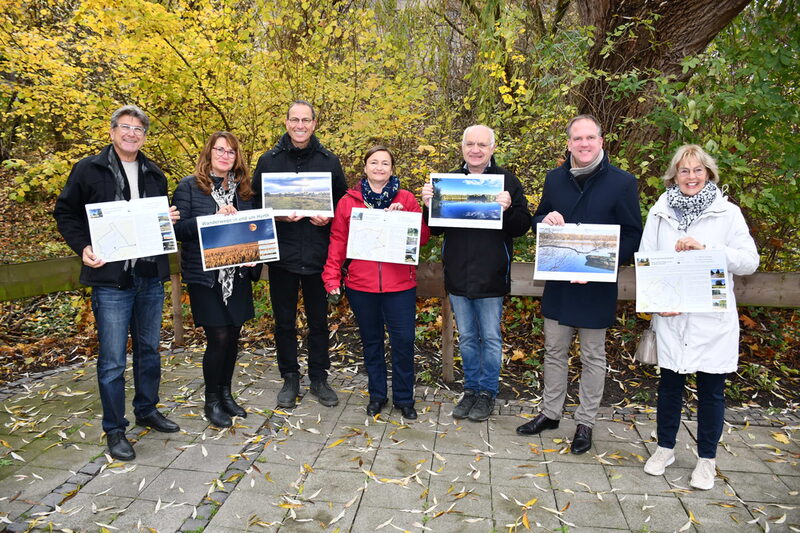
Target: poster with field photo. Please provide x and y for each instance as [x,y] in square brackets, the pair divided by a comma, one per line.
[234,240]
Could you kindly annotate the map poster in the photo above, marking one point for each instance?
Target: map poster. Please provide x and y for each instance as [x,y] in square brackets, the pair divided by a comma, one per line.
[386,236]
[305,194]
[695,281]
[130,229]
[580,252]
[466,201]
[234,240]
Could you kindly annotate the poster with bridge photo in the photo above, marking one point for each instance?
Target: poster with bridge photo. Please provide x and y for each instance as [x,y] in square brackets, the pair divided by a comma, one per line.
[580,252]
[466,201]
[235,240]
[304,194]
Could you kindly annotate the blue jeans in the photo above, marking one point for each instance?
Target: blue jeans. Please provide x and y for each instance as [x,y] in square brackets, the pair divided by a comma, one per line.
[480,341]
[116,311]
[710,410]
[397,311]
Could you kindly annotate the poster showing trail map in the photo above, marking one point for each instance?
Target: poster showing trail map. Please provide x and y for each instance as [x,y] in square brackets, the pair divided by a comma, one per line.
[386,236]
[130,229]
[692,281]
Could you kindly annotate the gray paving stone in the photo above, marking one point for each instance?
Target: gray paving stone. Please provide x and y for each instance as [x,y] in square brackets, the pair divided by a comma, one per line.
[242,509]
[767,488]
[290,451]
[417,437]
[469,498]
[458,523]
[654,513]
[347,457]
[83,511]
[634,480]
[369,518]
[711,518]
[178,485]
[157,452]
[216,457]
[122,481]
[30,487]
[740,459]
[515,471]
[507,502]
[389,496]
[588,511]
[401,463]
[142,514]
[576,477]
[462,437]
[315,518]
[70,456]
[333,485]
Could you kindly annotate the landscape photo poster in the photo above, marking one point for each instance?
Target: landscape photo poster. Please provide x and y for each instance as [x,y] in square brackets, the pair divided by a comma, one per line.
[305,194]
[125,229]
[239,239]
[579,252]
[466,201]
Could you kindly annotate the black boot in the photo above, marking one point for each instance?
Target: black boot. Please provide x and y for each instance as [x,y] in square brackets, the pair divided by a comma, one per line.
[214,411]
[229,404]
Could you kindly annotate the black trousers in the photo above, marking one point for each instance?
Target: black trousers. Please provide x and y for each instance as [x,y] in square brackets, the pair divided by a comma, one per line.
[284,289]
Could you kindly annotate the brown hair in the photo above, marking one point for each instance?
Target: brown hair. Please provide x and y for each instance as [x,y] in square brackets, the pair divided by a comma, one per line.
[202,171]
[379,148]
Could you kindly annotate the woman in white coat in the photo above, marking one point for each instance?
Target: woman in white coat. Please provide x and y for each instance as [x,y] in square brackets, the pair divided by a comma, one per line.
[694,215]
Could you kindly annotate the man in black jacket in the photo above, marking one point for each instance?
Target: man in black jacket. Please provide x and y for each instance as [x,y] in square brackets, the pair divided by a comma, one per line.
[303,246]
[586,189]
[126,295]
[477,275]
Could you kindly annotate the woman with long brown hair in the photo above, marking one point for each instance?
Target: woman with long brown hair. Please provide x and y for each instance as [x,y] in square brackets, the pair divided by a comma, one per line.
[221,300]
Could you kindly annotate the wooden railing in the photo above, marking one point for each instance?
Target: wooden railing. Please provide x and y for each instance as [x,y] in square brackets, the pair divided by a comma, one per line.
[23,280]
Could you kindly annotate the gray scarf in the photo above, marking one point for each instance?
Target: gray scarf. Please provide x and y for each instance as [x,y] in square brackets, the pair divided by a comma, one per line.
[588,169]
[223,196]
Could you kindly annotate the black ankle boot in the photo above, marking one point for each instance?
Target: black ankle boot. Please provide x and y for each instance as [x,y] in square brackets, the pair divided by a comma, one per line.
[214,411]
[229,404]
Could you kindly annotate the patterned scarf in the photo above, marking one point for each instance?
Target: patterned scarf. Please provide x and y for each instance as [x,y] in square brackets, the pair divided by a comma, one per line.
[691,207]
[223,197]
[381,200]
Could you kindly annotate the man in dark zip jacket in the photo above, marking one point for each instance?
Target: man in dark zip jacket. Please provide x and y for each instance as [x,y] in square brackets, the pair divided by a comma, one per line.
[586,189]
[477,276]
[303,246]
[126,295]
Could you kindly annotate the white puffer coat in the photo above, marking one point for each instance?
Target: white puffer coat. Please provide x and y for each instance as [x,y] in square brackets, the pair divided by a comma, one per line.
[705,342]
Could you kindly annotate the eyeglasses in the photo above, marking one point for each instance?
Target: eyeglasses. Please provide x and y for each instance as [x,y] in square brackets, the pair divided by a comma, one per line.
[295,121]
[686,172]
[127,128]
[222,152]
[471,144]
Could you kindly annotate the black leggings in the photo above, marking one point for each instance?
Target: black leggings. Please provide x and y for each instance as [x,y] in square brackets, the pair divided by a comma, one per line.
[220,357]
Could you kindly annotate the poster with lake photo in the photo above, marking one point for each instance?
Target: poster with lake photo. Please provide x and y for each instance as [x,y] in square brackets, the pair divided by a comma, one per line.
[582,252]
[304,194]
[466,201]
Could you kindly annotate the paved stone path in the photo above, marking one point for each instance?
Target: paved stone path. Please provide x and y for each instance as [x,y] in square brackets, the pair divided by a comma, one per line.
[335,469]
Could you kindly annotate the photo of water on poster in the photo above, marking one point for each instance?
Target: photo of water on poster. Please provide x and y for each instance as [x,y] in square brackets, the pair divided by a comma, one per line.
[466,201]
[234,240]
[581,252]
[124,229]
[305,194]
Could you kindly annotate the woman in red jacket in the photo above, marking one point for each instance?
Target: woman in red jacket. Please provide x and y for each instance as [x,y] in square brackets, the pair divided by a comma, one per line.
[380,294]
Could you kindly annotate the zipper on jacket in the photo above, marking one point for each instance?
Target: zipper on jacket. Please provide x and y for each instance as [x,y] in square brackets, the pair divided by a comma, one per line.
[380,278]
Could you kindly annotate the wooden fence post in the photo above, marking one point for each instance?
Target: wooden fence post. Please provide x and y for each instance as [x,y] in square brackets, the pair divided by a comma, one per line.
[447,340]
[177,310]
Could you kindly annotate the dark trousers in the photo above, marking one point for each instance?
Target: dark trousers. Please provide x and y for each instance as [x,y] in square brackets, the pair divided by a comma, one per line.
[710,410]
[396,311]
[284,288]
[222,343]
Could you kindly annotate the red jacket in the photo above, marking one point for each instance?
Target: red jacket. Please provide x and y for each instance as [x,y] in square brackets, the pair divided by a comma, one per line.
[368,276]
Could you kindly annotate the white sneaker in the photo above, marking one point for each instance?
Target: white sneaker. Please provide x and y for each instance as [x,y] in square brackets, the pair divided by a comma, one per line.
[659,461]
[704,474]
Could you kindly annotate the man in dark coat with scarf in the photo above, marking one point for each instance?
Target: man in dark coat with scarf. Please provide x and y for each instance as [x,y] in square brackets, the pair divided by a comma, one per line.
[127,296]
[303,246]
[586,189]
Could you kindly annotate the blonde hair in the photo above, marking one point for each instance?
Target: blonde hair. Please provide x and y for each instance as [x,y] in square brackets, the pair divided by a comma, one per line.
[688,151]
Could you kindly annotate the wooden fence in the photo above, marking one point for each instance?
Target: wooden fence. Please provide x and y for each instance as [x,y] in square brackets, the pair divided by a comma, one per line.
[23,280]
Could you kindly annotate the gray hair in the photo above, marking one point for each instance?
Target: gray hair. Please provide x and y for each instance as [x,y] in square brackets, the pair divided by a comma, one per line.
[584,117]
[305,103]
[470,128]
[133,111]
[685,152]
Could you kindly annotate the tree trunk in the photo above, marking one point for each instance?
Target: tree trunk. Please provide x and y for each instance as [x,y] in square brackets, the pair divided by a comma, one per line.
[661,35]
